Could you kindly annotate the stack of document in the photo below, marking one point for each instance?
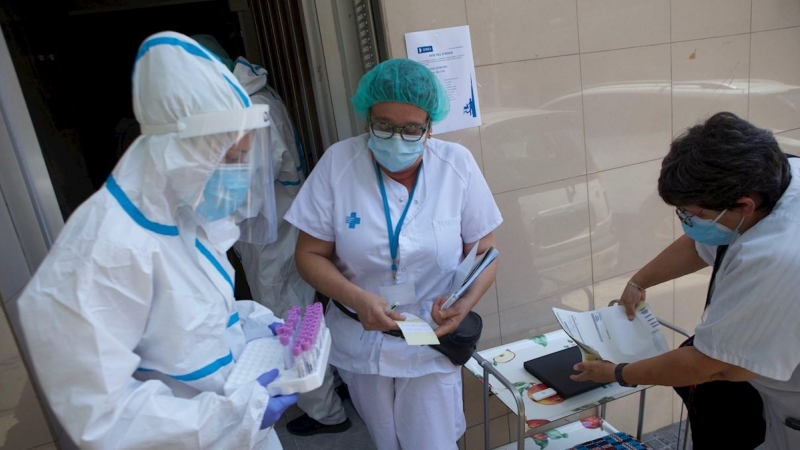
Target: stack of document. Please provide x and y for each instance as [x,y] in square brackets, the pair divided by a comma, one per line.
[468,271]
[608,334]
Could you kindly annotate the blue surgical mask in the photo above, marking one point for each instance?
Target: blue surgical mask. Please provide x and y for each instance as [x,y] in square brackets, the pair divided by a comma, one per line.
[225,191]
[709,232]
[394,153]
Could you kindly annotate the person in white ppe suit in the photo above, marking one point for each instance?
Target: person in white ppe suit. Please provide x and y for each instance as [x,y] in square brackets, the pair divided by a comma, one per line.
[270,268]
[130,321]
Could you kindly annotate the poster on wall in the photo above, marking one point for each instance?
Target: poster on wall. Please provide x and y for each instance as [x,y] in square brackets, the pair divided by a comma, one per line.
[447,52]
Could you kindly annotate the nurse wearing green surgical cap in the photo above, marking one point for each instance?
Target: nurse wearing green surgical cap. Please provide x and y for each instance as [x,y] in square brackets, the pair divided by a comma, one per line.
[384,220]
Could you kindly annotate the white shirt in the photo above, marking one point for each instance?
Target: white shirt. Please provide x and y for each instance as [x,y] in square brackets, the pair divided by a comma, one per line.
[753,319]
[341,202]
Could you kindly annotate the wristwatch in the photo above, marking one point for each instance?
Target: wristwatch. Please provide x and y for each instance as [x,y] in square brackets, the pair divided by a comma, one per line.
[618,376]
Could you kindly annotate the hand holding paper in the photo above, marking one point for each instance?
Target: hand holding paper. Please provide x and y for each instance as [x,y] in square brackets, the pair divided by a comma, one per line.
[448,320]
[372,314]
[417,332]
[607,333]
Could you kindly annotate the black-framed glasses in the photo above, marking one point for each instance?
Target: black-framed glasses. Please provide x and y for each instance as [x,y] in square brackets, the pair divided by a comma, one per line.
[686,217]
[409,133]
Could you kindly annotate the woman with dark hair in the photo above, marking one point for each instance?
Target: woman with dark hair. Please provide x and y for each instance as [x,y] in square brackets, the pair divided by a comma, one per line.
[738,198]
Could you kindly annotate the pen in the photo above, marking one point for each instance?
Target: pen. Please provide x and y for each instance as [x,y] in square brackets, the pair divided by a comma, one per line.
[391,307]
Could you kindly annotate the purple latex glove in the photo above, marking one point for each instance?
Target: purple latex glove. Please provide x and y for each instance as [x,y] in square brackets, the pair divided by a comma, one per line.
[274,327]
[277,405]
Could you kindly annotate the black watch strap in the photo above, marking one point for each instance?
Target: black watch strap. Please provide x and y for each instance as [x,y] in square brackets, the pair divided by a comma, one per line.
[618,376]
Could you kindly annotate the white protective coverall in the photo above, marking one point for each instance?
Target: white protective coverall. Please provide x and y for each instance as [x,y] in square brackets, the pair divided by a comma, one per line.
[130,321]
[270,269]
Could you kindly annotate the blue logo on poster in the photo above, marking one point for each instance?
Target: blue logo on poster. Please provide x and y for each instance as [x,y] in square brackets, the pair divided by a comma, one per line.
[426,49]
[470,109]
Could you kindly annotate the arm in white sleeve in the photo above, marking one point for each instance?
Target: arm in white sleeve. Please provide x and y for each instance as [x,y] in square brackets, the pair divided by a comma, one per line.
[83,316]
[256,319]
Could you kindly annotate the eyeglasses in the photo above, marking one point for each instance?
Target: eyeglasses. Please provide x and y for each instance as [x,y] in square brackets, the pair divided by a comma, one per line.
[686,217]
[409,133]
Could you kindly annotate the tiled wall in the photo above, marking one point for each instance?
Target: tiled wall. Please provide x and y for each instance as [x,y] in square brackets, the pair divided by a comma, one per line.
[580,99]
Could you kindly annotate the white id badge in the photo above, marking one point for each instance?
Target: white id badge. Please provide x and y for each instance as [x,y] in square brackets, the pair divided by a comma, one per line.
[403,294]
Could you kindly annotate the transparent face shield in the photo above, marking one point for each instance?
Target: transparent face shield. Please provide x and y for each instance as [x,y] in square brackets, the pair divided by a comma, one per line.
[241,186]
[256,216]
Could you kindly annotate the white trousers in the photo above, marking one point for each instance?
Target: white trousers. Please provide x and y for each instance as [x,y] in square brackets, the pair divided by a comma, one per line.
[422,413]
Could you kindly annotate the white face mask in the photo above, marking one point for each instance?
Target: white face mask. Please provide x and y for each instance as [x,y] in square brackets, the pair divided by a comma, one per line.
[395,154]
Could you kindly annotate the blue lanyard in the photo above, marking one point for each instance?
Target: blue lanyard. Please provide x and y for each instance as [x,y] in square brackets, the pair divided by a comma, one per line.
[394,234]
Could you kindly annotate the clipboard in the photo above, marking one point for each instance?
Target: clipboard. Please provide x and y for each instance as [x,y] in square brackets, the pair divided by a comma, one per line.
[488,257]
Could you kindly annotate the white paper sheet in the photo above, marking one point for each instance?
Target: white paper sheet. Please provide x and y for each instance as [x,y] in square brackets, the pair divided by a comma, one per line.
[608,334]
[447,52]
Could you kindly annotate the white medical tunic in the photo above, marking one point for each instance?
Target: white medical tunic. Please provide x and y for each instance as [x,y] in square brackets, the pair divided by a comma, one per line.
[753,319]
[341,202]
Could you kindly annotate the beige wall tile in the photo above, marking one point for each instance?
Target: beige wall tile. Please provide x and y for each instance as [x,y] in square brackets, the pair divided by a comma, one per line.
[698,19]
[773,14]
[517,30]
[537,317]
[490,335]
[709,76]
[488,303]
[789,141]
[532,129]
[498,434]
[626,102]
[630,223]
[660,297]
[545,242]
[659,403]
[614,24]
[418,15]
[775,79]
[469,138]
[473,401]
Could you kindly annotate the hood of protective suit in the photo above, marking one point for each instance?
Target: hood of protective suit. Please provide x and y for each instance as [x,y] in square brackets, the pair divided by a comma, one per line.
[252,76]
[175,78]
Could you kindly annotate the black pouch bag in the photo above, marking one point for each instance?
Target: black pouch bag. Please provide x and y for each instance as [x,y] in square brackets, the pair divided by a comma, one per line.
[712,404]
[458,345]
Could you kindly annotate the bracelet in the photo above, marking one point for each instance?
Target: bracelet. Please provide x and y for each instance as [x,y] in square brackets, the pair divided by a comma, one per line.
[634,285]
[618,376]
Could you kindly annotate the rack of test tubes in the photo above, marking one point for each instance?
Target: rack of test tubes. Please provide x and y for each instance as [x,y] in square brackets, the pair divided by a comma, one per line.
[300,351]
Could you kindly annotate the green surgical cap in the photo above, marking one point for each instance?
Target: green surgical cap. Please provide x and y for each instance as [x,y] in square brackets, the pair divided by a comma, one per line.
[212,45]
[405,81]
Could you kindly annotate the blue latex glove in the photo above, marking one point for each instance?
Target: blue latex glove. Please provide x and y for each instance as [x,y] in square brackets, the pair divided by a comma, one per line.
[277,405]
[274,327]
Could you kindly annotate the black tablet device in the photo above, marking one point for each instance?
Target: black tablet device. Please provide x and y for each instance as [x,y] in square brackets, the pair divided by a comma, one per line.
[554,370]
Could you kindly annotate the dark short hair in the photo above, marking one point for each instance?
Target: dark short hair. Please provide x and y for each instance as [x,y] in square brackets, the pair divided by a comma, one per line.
[714,164]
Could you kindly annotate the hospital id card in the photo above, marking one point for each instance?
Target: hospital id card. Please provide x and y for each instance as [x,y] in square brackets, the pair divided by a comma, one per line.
[417,331]
[402,294]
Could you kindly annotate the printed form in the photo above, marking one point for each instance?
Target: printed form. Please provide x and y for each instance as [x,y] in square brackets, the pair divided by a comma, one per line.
[608,334]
